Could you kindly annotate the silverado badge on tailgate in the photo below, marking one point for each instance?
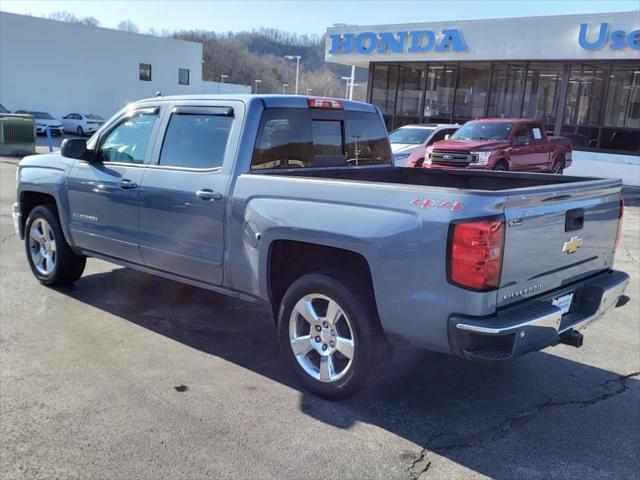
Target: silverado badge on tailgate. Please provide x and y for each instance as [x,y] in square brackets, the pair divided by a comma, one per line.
[571,245]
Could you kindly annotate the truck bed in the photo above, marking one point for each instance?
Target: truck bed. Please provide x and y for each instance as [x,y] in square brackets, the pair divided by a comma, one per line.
[465,179]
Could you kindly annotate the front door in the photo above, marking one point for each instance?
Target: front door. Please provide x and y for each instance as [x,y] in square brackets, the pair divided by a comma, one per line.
[522,153]
[182,197]
[103,194]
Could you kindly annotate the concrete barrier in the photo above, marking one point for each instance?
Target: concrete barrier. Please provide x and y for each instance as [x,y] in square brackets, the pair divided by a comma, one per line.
[606,165]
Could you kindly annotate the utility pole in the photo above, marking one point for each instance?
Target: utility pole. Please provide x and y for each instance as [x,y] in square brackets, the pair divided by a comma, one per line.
[297,59]
[346,91]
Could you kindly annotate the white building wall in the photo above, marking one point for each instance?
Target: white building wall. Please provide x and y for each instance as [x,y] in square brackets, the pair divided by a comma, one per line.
[219,87]
[63,67]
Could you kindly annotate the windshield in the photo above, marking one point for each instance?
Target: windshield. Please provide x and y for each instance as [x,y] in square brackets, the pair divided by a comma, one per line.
[41,115]
[413,136]
[483,131]
[91,116]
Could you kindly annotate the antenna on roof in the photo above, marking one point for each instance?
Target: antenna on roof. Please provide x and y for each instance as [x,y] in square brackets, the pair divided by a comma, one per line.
[158,94]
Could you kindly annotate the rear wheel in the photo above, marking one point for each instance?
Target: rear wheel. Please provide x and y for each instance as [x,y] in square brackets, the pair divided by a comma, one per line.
[51,259]
[80,131]
[558,166]
[331,336]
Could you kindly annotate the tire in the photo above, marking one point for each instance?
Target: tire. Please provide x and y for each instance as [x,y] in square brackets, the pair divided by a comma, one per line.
[43,239]
[80,131]
[500,167]
[357,333]
[558,166]
[419,163]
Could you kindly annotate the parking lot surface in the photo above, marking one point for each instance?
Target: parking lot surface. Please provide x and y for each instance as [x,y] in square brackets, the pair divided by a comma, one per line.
[125,376]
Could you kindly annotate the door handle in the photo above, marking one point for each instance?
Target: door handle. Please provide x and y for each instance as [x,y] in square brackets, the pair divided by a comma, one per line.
[127,184]
[208,194]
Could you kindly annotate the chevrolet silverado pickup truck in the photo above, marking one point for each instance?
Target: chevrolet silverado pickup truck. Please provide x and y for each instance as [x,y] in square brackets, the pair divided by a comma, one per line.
[295,202]
[513,144]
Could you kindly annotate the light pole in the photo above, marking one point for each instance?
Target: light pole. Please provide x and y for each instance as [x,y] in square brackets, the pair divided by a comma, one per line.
[257,82]
[309,90]
[353,79]
[222,77]
[284,88]
[346,91]
[297,59]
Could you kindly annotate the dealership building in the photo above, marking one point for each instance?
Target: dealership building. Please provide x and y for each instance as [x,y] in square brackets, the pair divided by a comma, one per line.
[61,67]
[580,74]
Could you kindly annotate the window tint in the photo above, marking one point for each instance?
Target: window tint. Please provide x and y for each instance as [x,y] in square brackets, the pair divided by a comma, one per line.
[521,135]
[128,142]
[289,138]
[145,72]
[195,141]
[327,137]
[439,135]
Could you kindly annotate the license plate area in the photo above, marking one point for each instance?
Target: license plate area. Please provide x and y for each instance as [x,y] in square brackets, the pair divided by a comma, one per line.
[563,302]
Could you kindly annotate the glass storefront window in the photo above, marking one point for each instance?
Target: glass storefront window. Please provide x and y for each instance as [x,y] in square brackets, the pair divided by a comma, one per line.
[584,103]
[472,91]
[621,123]
[383,91]
[441,84]
[542,92]
[507,88]
[410,88]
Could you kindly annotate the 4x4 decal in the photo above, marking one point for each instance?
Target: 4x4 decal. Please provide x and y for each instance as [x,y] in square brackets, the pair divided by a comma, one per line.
[451,205]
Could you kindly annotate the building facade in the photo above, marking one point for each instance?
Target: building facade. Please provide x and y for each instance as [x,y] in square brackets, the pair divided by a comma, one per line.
[60,67]
[580,74]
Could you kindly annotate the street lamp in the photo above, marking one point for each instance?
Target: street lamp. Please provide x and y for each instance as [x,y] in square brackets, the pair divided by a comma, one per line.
[284,88]
[309,90]
[346,92]
[297,59]
[222,77]
[257,82]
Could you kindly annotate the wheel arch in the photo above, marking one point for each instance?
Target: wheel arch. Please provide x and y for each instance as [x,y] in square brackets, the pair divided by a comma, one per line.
[31,198]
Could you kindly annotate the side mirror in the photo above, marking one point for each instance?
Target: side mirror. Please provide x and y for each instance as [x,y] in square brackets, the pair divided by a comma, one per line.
[77,148]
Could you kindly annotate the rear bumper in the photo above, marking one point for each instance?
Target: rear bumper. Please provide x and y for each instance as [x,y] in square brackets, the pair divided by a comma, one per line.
[536,324]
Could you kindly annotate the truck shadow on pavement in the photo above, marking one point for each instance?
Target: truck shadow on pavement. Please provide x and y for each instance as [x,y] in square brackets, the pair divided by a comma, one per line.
[532,418]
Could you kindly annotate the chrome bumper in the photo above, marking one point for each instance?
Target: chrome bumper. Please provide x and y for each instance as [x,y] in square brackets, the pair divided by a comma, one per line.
[17,219]
[537,324]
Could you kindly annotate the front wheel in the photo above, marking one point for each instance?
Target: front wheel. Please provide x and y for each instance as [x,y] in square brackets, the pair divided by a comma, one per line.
[51,259]
[331,336]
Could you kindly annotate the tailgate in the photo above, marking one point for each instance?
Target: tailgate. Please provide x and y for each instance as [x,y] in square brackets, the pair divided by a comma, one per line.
[557,236]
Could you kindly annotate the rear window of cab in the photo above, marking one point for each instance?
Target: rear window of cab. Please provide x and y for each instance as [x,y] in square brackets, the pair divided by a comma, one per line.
[303,138]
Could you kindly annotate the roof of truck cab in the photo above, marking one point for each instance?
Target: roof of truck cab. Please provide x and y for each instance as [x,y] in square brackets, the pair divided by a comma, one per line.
[269,101]
[505,120]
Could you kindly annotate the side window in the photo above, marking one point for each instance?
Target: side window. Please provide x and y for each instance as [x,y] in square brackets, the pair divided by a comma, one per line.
[284,139]
[521,136]
[536,133]
[128,142]
[195,140]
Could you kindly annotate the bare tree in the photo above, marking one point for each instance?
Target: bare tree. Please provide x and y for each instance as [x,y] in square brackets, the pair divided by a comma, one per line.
[64,16]
[91,21]
[128,26]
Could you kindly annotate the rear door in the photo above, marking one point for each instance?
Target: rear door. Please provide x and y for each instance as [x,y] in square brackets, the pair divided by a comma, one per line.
[556,236]
[183,194]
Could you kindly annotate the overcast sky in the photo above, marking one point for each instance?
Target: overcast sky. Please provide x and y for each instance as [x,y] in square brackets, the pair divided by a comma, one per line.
[303,16]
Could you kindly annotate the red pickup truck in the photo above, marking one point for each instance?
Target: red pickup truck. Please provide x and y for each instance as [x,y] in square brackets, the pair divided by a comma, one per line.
[517,144]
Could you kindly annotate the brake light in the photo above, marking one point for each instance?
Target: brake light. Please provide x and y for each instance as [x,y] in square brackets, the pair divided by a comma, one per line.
[475,253]
[619,230]
[329,103]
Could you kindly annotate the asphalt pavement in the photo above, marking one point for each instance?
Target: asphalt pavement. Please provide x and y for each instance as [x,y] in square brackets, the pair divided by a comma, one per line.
[126,376]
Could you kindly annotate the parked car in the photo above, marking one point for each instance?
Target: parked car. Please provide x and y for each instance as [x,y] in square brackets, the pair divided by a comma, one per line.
[409,143]
[502,144]
[350,252]
[82,124]
[44,120]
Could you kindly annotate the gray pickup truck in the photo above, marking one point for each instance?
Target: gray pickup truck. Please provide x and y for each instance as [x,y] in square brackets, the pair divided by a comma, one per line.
[295,201]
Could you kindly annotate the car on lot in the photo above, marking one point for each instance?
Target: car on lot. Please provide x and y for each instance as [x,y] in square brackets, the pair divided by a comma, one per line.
[44,120]
[82,124]
[409,143]
[513,144]
[295,202]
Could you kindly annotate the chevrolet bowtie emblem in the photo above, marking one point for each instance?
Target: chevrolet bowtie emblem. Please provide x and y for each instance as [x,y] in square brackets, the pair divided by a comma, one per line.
[573,244]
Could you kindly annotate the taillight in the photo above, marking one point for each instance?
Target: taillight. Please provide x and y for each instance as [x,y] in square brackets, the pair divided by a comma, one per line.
[619,230]
[329,103]
[475,253]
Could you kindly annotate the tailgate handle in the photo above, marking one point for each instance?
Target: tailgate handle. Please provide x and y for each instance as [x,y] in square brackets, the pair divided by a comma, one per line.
[574,220]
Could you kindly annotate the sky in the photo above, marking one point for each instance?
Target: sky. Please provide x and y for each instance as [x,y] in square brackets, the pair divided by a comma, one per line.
[303,17]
